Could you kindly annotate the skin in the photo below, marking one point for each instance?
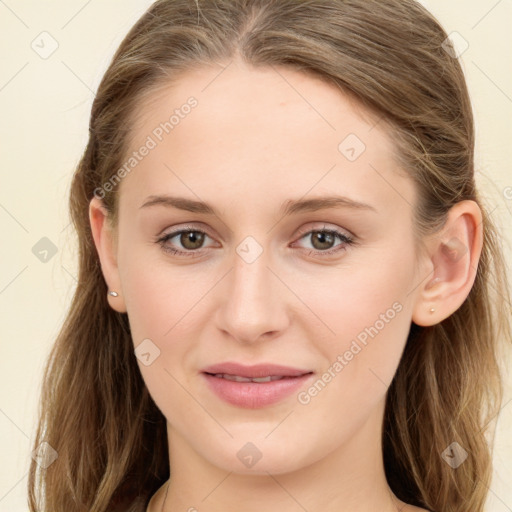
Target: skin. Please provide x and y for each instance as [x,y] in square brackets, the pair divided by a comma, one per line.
[253,142]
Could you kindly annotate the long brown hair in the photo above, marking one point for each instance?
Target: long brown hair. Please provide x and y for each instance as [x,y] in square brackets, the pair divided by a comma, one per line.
[391,56]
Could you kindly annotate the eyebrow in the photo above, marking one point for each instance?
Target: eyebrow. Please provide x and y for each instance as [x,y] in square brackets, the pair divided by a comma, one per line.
[288,207]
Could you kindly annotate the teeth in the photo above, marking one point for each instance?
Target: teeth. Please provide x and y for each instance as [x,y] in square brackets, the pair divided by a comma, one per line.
[237,378]
[262,379]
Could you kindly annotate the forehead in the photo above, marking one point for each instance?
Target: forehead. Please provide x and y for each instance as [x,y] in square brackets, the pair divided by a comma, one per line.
[260,128]
[237,95]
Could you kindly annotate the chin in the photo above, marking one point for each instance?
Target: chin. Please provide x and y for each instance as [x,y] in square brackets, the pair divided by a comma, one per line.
[259,457]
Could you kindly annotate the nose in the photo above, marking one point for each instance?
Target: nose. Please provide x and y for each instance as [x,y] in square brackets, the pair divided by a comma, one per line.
[255,303]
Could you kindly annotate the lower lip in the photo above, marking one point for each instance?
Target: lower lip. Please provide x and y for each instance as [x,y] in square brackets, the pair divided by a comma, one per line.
[254,395]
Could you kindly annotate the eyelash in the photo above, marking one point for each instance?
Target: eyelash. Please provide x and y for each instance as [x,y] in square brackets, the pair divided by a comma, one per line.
[347,241]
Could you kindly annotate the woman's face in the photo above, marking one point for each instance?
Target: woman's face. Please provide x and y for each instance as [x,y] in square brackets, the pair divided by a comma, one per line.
[265,279]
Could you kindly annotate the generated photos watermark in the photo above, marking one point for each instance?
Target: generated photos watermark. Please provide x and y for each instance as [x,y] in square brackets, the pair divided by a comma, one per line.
[342,360]
[157,135]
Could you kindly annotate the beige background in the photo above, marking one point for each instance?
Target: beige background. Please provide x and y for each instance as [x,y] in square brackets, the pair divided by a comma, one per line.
[45,105]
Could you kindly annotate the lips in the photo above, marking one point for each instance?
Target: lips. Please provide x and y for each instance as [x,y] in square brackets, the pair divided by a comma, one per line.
[255,371]
[237,378]
[254,386]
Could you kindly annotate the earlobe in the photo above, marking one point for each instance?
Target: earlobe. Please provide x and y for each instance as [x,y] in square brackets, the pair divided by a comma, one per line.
[106,247]
[454,253]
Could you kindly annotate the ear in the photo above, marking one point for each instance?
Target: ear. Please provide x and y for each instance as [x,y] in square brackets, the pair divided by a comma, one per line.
[105,240]
[453,254]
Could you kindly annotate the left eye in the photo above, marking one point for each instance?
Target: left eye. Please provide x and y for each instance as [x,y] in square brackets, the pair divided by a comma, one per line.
[322,240]
[192,240]
[189,239]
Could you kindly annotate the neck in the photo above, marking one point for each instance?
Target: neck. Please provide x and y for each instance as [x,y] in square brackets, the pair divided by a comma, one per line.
[349,479]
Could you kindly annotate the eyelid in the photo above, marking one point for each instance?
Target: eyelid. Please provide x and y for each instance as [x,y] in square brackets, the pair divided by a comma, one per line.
[165,236]
[184,229]
[306,231]
[346,238]
[188,226]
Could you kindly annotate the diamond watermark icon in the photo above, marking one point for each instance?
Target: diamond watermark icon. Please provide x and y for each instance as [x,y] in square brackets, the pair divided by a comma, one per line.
[454,455]
[44,250]
[249,249]
[44,45]
[455,45]
[249,454]
[146,352]
[351,147]
[44,455]
[454,249]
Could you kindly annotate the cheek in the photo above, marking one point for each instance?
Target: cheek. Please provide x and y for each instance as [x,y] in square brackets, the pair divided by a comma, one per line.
[164,306]
[368,312]
[160,305]
[159,297]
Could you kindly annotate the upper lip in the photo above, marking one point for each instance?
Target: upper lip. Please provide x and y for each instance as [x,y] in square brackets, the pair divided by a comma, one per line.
[255,371]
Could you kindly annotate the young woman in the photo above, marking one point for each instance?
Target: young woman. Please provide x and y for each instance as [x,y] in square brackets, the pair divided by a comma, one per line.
[290,296]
